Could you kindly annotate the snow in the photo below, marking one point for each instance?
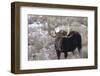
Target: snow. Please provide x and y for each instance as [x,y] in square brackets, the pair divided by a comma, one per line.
[41,44]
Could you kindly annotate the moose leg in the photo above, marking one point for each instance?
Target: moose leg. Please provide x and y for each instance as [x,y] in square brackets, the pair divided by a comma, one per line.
[65,54]
[79,50]
[73,52]
[58,54]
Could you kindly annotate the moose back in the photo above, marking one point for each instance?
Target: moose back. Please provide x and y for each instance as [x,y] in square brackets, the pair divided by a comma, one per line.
[67,43]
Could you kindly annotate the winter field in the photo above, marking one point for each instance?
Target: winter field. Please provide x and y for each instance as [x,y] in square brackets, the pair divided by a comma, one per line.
[41,43]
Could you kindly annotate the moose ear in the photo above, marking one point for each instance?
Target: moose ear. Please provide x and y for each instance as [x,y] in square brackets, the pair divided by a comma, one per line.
[64,33]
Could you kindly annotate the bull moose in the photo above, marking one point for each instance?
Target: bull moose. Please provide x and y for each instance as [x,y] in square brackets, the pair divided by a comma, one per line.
[65,43]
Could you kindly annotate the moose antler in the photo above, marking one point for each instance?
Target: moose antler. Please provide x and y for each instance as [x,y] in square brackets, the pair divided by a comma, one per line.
[50,31]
